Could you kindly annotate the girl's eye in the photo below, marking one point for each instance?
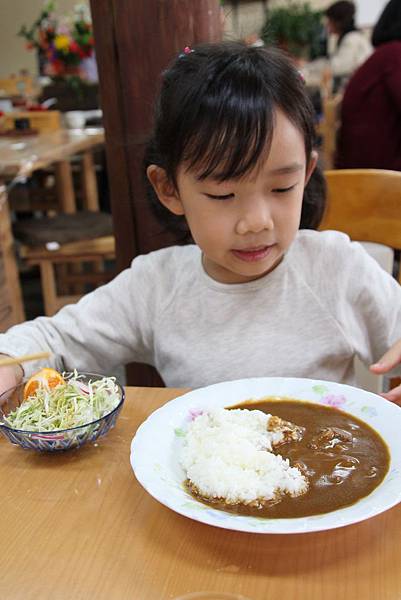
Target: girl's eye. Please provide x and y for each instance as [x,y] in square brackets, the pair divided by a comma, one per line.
[283,190]
[223,197]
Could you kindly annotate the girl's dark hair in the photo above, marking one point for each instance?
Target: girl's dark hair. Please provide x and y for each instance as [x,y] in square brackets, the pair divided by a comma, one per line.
[342,13]
[216,112]
[388,27]
[314,201]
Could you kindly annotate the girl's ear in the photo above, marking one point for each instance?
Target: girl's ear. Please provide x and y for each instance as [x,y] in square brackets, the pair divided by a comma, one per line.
[311,166]
[165,189]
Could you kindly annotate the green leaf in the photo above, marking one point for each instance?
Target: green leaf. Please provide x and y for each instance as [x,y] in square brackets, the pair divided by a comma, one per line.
[320,389]
[179,432]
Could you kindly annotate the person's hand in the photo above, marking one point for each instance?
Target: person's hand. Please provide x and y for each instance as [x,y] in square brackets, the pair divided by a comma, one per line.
[388,361]
[10,376]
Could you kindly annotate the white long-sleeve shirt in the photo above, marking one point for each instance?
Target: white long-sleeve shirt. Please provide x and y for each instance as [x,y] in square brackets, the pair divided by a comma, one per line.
[353,50]
[326,302]
[343,60]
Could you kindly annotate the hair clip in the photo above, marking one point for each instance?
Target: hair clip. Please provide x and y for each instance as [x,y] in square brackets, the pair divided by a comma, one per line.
[187,50]
[302,77]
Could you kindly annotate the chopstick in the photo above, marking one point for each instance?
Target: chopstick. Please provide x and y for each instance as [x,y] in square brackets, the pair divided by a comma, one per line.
[21,359]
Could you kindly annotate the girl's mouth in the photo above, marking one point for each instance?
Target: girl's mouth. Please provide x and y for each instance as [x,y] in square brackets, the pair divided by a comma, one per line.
[253,254]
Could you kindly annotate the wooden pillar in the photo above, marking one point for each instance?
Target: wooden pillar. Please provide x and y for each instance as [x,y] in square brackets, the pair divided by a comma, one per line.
[135,40]
[134,43]
[11,301]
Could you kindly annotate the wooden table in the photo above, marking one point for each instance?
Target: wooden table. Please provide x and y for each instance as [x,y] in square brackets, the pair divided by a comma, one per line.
[23,156]
[79,526]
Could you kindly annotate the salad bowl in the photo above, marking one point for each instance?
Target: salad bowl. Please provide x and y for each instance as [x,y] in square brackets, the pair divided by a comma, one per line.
[95,402]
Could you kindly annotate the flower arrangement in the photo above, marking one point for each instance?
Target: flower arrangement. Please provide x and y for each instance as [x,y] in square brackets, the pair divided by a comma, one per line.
[62,43]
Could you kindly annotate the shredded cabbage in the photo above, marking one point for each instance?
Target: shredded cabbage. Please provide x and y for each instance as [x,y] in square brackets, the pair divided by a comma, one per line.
[65,406]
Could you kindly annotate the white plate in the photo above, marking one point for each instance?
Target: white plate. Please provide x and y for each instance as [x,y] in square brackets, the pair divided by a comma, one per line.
[155,448]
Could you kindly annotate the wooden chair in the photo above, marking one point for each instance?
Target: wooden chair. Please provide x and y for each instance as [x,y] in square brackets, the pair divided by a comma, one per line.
[11,303]
[71,251]
[81,252]
[328,129]
[366,204]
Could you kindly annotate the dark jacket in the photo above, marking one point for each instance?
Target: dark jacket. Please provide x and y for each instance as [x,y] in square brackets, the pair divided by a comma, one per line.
[370,133]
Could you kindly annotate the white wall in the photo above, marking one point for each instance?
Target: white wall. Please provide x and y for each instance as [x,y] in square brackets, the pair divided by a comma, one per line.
[369,11]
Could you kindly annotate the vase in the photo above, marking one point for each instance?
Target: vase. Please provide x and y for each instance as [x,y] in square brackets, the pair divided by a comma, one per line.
[89,69]
[72,71]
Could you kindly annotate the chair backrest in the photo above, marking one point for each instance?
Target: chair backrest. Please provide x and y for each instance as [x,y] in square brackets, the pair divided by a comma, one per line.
[365,204]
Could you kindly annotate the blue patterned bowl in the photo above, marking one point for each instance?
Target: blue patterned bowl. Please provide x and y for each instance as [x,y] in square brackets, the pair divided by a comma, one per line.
[64,439]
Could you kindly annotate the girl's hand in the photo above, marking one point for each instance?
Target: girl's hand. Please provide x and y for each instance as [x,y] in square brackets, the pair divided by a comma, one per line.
[10,376]
[389,360]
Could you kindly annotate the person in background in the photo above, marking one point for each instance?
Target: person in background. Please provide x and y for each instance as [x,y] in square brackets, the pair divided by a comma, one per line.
[370,131]
[351,47]
[346,49]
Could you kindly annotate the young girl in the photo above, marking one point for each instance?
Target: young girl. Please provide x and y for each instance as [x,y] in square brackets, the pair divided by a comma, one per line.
[230,158]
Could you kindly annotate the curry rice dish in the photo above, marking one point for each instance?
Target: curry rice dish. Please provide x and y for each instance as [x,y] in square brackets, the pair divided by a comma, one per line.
[307,459]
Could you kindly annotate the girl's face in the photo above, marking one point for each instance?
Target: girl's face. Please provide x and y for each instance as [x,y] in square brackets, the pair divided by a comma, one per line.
[244,226]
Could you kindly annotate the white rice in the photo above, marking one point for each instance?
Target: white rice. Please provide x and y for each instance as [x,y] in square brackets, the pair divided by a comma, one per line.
[228,455]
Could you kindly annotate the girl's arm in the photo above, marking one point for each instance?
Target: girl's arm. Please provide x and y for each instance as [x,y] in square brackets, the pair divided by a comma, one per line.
[363,298]
[106,328]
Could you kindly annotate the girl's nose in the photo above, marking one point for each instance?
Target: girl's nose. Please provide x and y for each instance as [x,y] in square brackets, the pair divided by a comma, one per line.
[256,218]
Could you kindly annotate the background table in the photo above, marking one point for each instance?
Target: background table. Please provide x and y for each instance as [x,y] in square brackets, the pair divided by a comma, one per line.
[23,156]
[78,525]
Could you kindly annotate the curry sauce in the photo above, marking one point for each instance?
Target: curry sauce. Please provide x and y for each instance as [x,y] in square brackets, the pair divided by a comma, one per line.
[343,458]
